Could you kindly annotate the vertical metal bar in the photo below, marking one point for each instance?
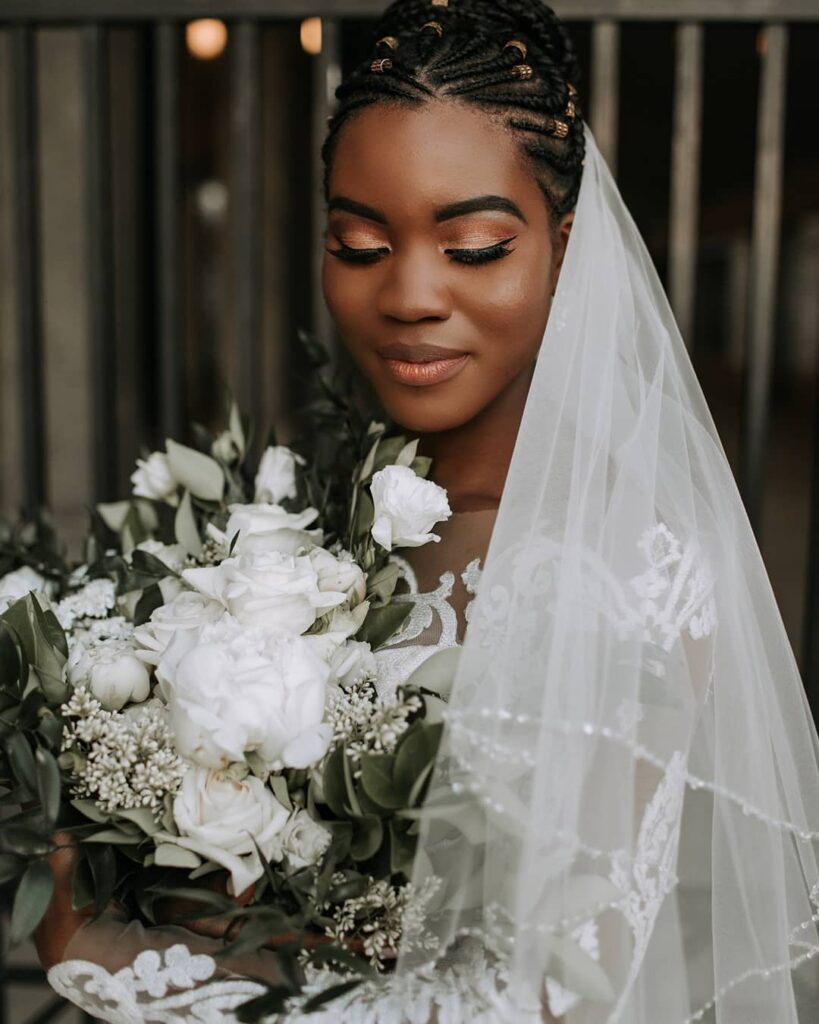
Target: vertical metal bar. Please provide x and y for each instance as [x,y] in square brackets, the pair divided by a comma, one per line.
[29,283]
[100,260]
[605,88]
[685,177]
[168,281]
[246,125]
[326,77]
[765,246]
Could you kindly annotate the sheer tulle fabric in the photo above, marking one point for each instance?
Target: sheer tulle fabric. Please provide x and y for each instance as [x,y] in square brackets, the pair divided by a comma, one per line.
[627,801]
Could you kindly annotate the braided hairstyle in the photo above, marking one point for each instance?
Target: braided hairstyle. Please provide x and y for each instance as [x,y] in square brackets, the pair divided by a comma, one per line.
[513,58]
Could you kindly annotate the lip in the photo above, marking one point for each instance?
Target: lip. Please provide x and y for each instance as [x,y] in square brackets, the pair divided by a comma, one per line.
[421,375]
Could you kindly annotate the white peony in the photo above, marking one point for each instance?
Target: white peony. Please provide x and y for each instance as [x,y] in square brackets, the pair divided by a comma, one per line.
[339,573]
[275,591]
[219,819]
[153,479]
[304,841]
[268,528]
[19,583]
[111,670]
[240,691]
[406,508]
[188,612]
[276,479]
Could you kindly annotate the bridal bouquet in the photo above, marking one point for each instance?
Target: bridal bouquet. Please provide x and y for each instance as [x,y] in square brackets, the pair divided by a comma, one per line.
[197,705]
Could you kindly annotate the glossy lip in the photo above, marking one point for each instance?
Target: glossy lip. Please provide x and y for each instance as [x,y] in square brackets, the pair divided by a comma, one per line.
[420,353]
[423,374]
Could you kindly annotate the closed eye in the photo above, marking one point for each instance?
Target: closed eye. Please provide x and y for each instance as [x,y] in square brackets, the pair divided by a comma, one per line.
[363,257]
[488,254]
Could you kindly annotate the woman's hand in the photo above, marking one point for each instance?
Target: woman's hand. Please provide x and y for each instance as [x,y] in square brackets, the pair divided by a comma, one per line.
[61,920]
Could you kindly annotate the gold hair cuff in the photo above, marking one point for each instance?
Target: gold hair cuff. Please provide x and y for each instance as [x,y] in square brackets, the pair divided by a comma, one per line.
[516,44]
[381,65]
[390,41]
[436,27]
[559,128]
[523,72]
[440,3]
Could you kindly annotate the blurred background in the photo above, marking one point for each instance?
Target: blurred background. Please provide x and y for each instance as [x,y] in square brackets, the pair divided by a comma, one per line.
[161,224]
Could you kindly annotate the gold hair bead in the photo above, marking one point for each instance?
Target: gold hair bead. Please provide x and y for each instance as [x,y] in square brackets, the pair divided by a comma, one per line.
[440,3]
[516,44]
[381,65]
[572,90]
[436,27]
[390,41]
[571,110]
[523,72]
[559,128]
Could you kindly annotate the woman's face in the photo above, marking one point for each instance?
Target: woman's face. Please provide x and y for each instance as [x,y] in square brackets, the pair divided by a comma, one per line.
[441,260]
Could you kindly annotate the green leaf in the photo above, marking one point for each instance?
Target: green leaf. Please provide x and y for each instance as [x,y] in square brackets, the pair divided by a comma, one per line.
[11,664]
[82,884]
[91,810]
[415,753]
[196,472]
[114,514]
[31,900]
[383,623]
[329,994]
[147,604]
[143,818]
[169,855]
[378,782]
[365,515]
[115,836]
[333,784]
[576,970]
[437,673]
[407,455]
[382,585]
[368,835]
[48,784]
[11,866]
[421,466]
[103,864]
[25,841]
[21,761]
[185,528]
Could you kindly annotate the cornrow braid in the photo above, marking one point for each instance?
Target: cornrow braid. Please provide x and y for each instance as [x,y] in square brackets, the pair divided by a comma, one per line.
[511,57]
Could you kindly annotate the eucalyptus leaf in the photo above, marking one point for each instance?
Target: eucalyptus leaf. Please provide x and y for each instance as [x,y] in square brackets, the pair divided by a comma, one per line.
[576,971]
[377,780]
[48,784]
[185,528]
[407,455]
[114,514]
[143,818]
[31,900]
[368,835]
[21,761]
[115,836]
[437,673]
[381,585]
[383,623]
[169,855]
[196,472]
[91,810]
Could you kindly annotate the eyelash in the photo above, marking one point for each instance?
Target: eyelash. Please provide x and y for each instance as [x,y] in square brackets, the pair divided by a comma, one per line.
[466,257]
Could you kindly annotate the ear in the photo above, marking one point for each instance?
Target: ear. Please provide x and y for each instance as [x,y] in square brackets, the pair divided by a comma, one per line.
[561,240]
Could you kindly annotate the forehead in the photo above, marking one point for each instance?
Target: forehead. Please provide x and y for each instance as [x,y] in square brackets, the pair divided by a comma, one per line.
[395,157]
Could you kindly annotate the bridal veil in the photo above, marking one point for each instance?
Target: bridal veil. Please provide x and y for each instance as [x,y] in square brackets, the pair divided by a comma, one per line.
[626,805]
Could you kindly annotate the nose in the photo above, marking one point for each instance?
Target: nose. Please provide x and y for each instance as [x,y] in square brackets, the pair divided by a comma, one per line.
[414,289]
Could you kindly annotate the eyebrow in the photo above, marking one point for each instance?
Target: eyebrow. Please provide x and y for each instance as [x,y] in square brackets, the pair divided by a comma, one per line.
[480,204]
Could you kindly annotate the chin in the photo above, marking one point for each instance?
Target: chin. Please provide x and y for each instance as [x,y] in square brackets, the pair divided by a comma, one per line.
[417,411]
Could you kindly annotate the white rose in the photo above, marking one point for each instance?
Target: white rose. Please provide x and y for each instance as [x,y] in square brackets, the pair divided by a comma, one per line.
[353,663]
[187,612]
[269,528]
[406,508]
[339,573]
[304,841]
[153,479]
[219,819]
[19,583]
[111,670]
[248,693]
[275,591]
[276,479]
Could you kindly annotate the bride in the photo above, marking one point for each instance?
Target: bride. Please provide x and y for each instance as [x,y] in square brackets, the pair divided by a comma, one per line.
[624,818]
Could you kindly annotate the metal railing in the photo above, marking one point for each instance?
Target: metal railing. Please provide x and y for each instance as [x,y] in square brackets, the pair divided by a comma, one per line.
[22,19]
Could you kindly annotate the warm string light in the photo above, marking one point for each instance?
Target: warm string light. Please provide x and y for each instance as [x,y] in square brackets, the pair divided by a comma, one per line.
[311,36]
[206,38]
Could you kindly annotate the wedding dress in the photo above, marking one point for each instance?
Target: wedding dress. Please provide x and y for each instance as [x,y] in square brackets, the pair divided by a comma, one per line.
[624,813]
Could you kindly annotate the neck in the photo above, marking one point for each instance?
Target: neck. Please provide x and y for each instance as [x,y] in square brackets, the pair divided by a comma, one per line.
[472,461]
